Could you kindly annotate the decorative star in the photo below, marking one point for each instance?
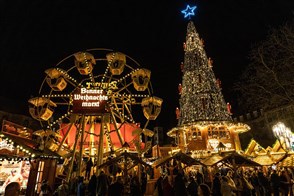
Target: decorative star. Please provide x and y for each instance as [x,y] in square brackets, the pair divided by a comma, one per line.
[189,11]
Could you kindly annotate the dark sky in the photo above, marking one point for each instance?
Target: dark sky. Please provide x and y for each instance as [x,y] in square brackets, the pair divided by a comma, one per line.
[35,35]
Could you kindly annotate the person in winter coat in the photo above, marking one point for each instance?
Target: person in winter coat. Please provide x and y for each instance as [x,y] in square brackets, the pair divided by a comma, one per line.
[167,188]
[158,188]
[226,188]
[275,183]
[204,190]
[216,184]
[62,190]
[192,187]
[92,186]
[103,184]
[179,185]
[117,188]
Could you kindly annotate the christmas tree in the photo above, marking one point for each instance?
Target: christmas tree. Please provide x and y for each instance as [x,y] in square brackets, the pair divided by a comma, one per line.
[204,119]
[201,97]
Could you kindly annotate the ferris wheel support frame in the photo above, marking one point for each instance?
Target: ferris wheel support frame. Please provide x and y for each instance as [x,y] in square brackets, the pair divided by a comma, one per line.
[81,147]
[65,136]
[73,156]
[104,121]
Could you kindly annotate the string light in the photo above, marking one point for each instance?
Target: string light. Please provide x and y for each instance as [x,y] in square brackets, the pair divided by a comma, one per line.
[107,68]
[127,75]
[64,73]
[89,69]
[200,98]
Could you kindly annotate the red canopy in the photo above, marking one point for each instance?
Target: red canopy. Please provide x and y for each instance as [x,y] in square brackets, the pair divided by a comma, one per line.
[125,130]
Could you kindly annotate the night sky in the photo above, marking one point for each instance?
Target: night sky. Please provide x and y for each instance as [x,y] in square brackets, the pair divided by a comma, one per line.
[35,35]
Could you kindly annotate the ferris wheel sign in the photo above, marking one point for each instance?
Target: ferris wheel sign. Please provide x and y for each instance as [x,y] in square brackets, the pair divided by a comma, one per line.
[89,101]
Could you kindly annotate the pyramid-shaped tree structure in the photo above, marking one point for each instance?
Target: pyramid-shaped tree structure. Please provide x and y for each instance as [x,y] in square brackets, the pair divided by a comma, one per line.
[201,97]
[204,120]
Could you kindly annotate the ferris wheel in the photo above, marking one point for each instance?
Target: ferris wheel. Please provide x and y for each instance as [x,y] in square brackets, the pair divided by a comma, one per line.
[96,86]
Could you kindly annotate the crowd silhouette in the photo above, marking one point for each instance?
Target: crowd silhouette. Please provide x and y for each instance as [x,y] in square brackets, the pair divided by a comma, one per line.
[223,181]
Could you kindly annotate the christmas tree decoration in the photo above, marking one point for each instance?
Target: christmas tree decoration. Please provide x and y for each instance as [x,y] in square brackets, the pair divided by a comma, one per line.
[210,62]
[201,98]
[189,11]
[182,66]
[180,89]
[229,108]
[203,116]
[178,113]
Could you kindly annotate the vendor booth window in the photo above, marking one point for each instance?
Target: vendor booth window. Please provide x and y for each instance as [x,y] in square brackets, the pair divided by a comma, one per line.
[196,134]
[212,133]
[39,176]
[223,133]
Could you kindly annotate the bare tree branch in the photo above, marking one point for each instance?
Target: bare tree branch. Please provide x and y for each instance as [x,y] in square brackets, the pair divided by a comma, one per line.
[268,81]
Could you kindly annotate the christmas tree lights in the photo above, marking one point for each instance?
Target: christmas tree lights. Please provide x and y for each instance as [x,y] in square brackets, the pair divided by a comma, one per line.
[204,118]
[201,97]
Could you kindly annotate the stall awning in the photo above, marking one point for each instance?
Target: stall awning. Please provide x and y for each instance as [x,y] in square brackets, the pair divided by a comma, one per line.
[179,156]
[233,159]
[212,160]
[264,160]
[31,145]
[124,155]
[287,161]
[23,137]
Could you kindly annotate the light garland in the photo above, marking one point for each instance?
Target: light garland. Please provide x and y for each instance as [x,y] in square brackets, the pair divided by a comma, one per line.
[201,98]
[27,155]
[64,73]
[59,119]
[127,75]
[107,68]
[88,67]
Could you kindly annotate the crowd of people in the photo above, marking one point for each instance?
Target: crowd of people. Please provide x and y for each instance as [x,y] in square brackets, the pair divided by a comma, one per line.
[219,182]
[101,185]
[222,181]
[227,182]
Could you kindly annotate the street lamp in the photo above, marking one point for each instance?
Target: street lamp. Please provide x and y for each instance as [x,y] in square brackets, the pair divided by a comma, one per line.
[284,136]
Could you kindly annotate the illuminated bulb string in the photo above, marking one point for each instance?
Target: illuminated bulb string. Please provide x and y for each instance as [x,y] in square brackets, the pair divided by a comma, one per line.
[127,75]
[201,98]
[139,95]
[131,95]
[58,120]
[56,95]
[107,68]
[108,138]
[66,75]
[21,148]
[88,68]
[121,114]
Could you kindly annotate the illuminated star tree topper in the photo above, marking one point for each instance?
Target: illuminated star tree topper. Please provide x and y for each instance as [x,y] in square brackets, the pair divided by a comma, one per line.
[189,11]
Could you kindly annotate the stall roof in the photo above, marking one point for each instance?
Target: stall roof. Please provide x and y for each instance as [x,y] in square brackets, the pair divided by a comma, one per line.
[179,156]
[212,160]
[239,160]
[31,145]
[162,161]
[264,160]
[233,158]
[279,156]
[287,161]
[121,156]
[23,136]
